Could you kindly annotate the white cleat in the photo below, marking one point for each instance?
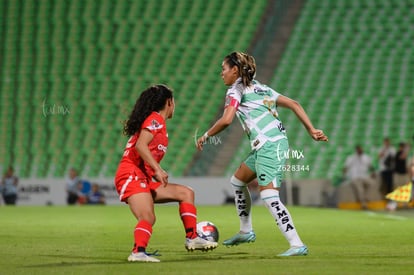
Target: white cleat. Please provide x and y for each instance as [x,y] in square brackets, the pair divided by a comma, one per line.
[199,244]
[142,257]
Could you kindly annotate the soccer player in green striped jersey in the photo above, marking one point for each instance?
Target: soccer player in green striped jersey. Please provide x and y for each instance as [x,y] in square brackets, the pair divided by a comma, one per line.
[255,105]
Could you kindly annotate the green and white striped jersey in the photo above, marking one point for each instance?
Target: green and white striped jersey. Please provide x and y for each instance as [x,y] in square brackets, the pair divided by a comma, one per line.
[256,111]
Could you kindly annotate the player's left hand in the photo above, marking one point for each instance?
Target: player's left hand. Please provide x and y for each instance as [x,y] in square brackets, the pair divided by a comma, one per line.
[161,176]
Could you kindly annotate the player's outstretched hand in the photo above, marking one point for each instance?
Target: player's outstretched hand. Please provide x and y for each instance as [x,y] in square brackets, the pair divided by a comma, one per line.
[318,135]
[200,142]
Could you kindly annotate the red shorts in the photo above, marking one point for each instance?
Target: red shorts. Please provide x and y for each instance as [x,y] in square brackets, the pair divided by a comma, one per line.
[133,182]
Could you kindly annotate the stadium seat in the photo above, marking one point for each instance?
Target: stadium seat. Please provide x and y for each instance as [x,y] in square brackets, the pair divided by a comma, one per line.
[359,87]
[94,59]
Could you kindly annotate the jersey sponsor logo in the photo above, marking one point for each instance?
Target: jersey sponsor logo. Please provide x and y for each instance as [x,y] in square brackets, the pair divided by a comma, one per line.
[162,148]
[261,92]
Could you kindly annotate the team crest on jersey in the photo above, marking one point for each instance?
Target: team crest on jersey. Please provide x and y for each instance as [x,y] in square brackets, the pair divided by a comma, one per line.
[143,185]
[155,125]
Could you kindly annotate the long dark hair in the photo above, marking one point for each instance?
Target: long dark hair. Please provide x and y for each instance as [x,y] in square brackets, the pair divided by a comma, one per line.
[152,99]
[246,65]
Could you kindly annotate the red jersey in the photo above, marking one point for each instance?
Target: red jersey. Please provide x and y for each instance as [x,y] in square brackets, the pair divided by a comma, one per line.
[155,123]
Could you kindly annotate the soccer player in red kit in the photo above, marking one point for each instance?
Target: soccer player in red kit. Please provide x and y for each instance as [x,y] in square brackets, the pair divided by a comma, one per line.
[140,180]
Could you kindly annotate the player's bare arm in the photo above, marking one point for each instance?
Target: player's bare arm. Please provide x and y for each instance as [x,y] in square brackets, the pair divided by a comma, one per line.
[144,139]
[221,124]
[295,106]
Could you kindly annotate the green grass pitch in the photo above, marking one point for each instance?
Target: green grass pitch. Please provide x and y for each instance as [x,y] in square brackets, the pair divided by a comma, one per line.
[98,239]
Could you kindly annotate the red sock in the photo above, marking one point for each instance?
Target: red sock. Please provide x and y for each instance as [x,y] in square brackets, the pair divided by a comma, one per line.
[188,214]
[142,234]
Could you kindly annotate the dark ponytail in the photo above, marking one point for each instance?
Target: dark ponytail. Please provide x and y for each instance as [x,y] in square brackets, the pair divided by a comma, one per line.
[152,99]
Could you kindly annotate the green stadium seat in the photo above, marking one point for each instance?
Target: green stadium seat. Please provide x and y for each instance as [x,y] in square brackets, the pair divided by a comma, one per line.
[351,67]
[95,58]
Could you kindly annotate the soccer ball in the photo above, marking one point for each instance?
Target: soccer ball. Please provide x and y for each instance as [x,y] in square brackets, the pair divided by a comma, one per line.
[208,231]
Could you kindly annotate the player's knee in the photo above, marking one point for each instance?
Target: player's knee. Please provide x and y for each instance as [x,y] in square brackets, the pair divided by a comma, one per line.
[237,183]
[187,194]
[149,217]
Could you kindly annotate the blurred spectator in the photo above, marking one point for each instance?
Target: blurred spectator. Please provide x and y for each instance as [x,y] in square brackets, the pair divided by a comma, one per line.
[9,184]
[359,171]
[411,170]
[84,188]
[386,158]
[82,195]
[401,176]
[95,196]
[73,187]
[391,204]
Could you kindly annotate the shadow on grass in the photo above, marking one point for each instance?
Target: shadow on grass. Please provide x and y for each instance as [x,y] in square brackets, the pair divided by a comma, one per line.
[184,257]
[66,264]
[77,261]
